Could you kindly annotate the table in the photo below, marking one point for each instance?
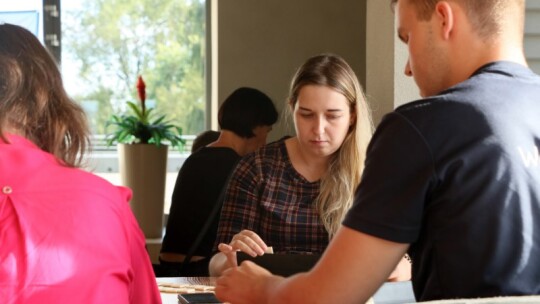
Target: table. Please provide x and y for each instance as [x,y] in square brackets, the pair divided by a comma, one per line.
[389,293]
[171,298]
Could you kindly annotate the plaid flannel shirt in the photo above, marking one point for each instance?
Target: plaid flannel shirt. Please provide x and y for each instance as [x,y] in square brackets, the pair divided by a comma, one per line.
[268,196]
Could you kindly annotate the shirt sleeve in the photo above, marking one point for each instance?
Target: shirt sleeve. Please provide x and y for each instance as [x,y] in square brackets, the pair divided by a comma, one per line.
[241,203]
[390,200]
[143,287]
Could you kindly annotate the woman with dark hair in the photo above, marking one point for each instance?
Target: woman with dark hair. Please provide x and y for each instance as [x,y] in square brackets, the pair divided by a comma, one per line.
[65,233]
[245,118]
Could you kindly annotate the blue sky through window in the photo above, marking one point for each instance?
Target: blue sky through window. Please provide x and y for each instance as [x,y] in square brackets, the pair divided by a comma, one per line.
[26,13]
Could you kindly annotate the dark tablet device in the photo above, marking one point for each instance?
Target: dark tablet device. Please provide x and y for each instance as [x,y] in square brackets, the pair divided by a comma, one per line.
[282,264]
[197,298]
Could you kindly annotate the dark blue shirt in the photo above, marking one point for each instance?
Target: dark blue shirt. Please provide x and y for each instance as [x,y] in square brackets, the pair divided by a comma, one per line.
[457,176]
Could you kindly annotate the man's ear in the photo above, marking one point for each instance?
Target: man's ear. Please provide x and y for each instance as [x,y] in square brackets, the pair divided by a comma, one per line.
[444,12]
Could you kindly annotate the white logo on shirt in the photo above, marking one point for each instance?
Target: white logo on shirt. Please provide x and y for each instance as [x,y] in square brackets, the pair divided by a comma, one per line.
[530,158]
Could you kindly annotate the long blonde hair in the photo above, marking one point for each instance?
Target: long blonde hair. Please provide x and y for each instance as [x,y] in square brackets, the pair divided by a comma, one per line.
[33,102]
[346,165]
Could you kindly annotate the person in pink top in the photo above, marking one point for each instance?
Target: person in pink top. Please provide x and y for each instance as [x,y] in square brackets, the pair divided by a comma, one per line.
[65,234]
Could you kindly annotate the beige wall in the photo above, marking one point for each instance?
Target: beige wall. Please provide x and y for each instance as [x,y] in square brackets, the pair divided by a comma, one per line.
[532,34]
[386,84]
[260,43]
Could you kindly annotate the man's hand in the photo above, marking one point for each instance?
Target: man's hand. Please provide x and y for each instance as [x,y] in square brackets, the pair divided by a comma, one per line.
[245,284]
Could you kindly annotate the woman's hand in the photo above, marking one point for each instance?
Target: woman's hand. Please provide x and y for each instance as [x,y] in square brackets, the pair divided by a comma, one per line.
[249,242]
[246,241]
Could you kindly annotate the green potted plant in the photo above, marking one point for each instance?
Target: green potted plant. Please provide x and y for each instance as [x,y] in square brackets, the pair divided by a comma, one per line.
[142,139]
[141,127]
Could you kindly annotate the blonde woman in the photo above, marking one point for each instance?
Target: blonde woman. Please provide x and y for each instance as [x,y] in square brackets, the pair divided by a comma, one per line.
[293,194]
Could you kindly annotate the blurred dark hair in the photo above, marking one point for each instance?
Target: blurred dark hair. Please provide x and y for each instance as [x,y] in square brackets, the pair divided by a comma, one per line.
[245,109]
[204,138]
[33,102]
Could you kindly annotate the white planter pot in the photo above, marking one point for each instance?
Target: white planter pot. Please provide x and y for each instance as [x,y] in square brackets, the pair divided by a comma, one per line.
[143,168]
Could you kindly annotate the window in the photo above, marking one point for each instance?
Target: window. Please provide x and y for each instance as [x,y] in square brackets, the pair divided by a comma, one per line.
[107,44]
[26,13]
[104,45]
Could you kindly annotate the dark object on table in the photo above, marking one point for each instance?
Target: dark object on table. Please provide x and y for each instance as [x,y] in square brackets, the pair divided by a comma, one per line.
[197,298]
[282,264]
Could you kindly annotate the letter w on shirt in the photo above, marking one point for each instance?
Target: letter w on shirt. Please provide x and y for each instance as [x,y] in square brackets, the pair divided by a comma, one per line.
[531,157]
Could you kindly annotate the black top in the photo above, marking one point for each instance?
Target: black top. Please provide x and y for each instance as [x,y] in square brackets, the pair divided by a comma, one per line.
[458,176]
[198,186]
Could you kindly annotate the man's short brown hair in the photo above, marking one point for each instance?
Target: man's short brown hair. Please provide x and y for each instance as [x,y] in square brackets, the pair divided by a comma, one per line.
[424,8]
[486,16]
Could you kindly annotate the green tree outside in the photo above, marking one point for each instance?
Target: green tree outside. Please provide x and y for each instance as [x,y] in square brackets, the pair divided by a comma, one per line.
[114,41]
